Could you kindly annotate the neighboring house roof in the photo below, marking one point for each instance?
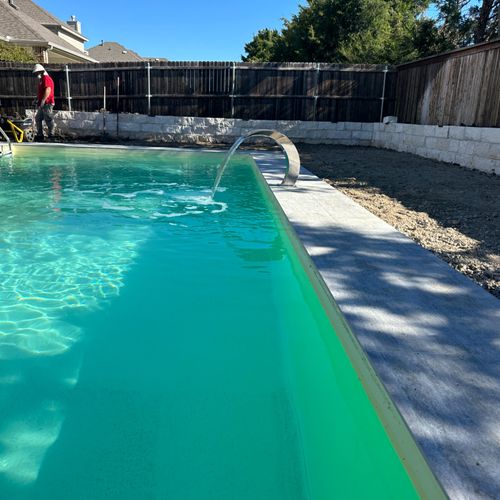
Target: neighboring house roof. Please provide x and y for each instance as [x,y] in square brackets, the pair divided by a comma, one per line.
[27,24]
[115,52]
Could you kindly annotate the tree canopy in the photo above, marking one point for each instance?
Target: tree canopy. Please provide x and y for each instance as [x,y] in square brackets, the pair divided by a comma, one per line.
[463,22]
[375,31]
[10,52]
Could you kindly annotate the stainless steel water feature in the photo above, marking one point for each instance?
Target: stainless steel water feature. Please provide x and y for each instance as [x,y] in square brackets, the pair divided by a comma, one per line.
[286,145]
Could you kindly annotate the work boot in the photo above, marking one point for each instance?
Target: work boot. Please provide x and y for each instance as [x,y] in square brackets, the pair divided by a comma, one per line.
[39,138]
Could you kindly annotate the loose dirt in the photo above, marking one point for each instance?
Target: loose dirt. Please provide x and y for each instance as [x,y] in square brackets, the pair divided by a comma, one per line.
[450,210]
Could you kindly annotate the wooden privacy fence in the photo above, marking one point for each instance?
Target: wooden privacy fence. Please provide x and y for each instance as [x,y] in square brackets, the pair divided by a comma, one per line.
[272,91]
[457,88]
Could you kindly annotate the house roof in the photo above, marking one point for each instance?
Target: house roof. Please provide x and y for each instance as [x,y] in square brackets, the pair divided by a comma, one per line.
[113,52]
[44,18]
[12,25]
[36,12]
[18,25]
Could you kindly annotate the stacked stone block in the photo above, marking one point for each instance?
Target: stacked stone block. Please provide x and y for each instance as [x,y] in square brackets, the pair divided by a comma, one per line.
[468,146]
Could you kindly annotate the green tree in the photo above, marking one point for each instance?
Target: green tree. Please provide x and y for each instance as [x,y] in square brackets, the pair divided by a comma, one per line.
[368,31]
[10,52]
[463,22]
[387,34]
[262,46]
[376,31]
[428,39]
[455,22]
[486,21]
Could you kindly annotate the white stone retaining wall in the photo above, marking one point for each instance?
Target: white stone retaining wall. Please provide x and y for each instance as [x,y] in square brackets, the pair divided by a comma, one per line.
[192,130]
[468,146]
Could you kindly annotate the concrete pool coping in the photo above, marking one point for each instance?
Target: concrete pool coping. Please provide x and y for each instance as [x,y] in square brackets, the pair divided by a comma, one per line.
[431,334]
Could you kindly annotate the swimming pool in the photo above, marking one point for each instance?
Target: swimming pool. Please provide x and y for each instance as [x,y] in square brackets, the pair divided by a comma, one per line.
[156,343]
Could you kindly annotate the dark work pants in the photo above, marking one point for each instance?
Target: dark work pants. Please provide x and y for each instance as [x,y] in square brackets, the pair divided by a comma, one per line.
[45,113]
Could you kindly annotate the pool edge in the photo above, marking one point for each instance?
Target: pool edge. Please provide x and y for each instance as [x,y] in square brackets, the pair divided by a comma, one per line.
[406,446]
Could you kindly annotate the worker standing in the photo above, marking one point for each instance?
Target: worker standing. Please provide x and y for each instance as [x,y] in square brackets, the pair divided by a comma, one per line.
[45,98]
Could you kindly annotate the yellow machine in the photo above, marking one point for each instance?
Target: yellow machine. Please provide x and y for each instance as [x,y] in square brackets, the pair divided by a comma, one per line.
[19,130]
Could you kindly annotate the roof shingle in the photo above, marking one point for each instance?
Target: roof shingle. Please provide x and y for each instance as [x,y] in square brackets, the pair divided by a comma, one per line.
[113,52]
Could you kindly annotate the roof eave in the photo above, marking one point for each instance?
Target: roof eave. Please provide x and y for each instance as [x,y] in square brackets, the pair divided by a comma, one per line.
[67,30]
[50,46]
[79,55]
[25,42]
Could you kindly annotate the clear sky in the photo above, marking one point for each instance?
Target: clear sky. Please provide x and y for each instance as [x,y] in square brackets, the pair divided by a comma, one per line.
[187,30]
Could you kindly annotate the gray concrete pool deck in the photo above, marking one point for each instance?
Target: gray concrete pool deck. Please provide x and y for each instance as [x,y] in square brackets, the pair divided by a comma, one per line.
[432,335]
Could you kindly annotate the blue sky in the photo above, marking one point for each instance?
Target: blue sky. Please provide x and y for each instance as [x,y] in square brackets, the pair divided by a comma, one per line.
[176,29]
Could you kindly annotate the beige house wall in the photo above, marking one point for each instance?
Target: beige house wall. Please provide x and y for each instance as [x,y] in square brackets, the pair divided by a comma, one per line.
[73,41]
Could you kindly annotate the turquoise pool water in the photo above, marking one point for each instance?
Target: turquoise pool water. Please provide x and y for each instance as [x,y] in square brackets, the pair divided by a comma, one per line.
[157,344]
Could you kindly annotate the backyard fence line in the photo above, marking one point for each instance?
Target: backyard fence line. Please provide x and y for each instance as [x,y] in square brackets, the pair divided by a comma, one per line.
[461,87]
[275,91]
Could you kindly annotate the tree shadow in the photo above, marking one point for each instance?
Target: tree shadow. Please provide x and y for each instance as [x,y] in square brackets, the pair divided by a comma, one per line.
[454,196]
[432,336]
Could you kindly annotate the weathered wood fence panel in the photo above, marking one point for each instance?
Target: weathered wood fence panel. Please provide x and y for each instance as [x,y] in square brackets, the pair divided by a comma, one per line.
[275,91]
[457,88]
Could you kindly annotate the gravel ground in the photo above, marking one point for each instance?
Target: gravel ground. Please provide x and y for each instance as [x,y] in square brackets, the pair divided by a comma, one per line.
[450,210]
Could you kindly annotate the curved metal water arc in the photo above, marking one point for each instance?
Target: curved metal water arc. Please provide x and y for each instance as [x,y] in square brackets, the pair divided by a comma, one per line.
[286,145]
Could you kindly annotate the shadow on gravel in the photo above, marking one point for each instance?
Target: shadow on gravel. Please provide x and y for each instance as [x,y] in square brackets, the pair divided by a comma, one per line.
[452,195]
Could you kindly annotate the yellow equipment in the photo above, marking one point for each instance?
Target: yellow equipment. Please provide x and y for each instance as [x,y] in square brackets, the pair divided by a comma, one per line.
[20,130]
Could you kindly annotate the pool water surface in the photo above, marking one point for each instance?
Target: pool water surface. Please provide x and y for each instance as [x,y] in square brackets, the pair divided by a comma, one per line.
[156,343]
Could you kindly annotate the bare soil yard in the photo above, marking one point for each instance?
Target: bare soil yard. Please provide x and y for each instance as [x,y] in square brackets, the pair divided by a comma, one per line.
[450,210]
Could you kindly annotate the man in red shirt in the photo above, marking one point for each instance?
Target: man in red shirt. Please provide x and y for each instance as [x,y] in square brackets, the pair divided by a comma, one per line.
[45,102]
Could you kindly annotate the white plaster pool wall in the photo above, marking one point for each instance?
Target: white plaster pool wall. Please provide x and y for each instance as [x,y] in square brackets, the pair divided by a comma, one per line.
[471,147]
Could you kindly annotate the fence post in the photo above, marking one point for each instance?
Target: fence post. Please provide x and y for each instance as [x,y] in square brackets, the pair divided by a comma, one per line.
[382,99]
[68,92]
[104,112]
[233,84]
[149,88]
[316,84]
[117,106]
